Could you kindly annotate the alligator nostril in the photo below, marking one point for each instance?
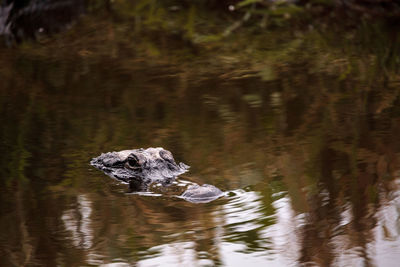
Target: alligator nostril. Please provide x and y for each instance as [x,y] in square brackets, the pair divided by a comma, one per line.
[166,155]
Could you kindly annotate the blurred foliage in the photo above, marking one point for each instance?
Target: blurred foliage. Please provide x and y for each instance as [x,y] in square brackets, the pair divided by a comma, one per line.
[262,38]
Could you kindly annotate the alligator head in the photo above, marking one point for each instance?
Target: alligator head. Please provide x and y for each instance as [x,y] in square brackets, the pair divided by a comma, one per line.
[140,167]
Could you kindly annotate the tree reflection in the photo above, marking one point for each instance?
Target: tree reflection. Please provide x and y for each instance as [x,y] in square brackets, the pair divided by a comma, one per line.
[309,154]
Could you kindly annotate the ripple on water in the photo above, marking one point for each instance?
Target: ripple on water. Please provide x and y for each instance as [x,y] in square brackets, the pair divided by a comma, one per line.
[255,234]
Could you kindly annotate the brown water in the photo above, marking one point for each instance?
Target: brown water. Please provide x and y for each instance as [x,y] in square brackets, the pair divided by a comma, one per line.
[311,162]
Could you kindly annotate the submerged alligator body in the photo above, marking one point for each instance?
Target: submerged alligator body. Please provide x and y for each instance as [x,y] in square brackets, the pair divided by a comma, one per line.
[144,168]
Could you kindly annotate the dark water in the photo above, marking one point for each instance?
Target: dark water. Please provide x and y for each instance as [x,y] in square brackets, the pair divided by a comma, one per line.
[311,161]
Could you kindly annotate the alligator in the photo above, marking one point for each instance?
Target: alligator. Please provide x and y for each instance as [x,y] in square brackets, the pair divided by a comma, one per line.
[153,168]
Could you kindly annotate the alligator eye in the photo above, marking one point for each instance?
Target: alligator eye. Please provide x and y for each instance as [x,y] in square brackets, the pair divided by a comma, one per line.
[132,163]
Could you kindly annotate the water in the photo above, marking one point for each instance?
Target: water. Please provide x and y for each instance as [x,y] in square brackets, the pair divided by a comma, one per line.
[309,160]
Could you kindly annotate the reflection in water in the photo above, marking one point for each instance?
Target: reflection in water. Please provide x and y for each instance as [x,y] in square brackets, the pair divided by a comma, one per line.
[383,241]
[321,191]
[274,237]
[77,222]
[174,254]
[310,157]
[387,233]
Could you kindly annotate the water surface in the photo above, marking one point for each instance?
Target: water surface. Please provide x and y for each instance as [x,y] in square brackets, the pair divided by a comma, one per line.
[310,160]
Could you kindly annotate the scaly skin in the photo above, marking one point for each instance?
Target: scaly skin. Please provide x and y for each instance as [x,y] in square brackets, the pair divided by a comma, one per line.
[144,167]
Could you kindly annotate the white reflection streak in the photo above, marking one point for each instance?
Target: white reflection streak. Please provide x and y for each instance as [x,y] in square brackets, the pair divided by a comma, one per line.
[345,254]
[387,233]
[244,214]
[285,232]
[174,254]
[384,249]
[77,222]
[243,211]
